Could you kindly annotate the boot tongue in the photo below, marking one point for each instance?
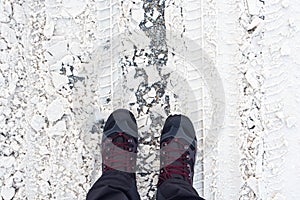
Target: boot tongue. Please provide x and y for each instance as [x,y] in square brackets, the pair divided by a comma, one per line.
[179,146]
[119,156]
[119,139]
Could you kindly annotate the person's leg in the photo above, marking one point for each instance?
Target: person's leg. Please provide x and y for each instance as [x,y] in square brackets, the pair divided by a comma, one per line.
[178,146]
[177,189]
[119,150]
[114,186]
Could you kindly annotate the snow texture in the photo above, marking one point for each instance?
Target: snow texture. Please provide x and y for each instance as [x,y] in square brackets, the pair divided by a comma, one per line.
[66,65]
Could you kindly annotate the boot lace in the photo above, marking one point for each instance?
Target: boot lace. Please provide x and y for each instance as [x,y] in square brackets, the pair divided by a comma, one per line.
[119,153]
[179,167]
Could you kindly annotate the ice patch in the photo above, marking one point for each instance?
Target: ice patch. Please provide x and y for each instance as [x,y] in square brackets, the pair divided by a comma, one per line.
[7,193]
[55,110]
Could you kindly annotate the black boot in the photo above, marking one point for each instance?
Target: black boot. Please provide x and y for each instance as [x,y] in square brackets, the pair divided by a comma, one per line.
[177,149]
[119,150]
[119,143]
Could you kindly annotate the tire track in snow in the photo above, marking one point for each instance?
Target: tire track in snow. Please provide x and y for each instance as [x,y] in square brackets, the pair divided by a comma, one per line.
[273,105]
[191,17]
[184,19]
[229,36]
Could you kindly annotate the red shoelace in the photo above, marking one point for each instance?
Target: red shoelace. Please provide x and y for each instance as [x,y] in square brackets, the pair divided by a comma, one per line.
[175,166]
[119,146]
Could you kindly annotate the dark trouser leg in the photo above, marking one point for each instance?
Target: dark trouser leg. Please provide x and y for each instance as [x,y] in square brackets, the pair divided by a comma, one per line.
[114,185]
[177,189]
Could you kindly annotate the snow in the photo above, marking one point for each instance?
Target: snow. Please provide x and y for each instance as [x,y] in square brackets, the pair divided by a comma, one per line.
[49,27]
[37,122]
[55,110]
[58,129]
[148,24]
[7,193]
[8,162]
[59,80]
[74,8]
[61,76]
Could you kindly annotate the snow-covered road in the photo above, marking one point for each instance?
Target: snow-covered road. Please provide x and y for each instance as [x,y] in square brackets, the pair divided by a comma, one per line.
[231,66]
